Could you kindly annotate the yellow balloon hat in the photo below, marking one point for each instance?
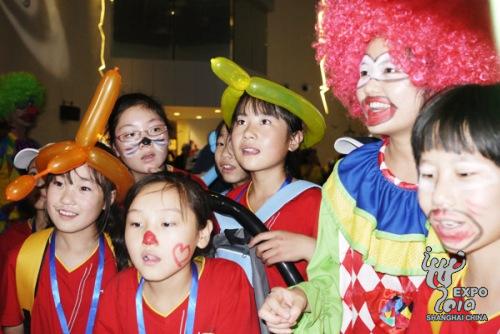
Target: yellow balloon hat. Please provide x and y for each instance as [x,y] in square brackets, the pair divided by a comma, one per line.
[239,81]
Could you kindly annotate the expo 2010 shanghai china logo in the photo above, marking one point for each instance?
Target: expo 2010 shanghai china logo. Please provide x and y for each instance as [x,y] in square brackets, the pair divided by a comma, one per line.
[450,301]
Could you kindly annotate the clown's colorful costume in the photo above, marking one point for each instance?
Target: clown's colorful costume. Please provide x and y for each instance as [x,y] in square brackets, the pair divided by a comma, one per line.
[19,91]
[372,233]
[372,225]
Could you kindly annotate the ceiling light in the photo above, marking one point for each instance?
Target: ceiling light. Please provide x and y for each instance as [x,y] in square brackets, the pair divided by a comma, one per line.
[198,117]
[177,113]
[217,111]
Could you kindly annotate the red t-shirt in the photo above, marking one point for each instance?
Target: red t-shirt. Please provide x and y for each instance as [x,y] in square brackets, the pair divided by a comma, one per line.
[225,304]
[300,215]
[14,235]
[420,325]
[75,289]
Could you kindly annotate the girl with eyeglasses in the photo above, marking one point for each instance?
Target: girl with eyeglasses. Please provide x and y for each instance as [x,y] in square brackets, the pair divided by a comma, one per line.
[138,132]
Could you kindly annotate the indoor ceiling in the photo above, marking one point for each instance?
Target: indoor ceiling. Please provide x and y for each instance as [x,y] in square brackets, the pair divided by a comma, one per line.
[183,112]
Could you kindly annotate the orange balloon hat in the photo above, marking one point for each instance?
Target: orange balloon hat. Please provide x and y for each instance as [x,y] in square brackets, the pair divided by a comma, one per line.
[64,156]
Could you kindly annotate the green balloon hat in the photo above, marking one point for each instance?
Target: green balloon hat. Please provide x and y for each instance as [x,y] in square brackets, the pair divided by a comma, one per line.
[239,81]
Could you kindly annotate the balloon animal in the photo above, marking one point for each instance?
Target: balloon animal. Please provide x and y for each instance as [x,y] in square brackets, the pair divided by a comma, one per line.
[64,156]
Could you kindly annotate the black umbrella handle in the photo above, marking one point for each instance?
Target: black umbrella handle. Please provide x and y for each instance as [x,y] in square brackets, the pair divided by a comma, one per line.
[252,224]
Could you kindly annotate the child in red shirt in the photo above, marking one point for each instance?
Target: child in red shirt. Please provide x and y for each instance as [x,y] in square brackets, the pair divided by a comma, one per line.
[269,122]
[18,231]
[228,167]
[456,144]
[169,290]
[77,262]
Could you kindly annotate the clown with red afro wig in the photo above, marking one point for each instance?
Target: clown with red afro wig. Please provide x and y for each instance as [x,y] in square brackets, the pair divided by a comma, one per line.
[439,44]
[383,59]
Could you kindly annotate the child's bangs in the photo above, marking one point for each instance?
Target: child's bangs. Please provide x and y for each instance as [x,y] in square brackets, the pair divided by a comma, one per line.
[450,135]
[183,197]
[257,106]
[463,119]
[261,107]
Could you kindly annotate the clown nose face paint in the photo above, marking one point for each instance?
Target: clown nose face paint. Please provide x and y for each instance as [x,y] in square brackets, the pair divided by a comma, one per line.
[149,238]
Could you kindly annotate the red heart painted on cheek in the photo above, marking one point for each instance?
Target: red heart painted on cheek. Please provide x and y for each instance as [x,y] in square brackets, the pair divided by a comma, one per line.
[182,254]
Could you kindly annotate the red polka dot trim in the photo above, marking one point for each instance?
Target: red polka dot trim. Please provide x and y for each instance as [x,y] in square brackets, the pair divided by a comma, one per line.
[386,171]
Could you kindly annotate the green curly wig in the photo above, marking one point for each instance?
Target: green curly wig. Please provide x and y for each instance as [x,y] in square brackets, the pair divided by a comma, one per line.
[18,89]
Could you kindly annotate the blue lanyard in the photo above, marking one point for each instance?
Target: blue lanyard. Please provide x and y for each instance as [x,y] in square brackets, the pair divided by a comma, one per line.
[55,287]
[287,181]
[193,294]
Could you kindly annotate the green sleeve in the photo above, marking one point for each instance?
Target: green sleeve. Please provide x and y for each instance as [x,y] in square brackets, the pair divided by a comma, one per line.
[322,289]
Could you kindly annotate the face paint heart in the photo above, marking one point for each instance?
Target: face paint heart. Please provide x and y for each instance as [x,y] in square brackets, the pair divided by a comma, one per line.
[182,254]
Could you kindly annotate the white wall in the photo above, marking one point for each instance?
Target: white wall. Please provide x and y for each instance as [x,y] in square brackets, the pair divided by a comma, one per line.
[290,60]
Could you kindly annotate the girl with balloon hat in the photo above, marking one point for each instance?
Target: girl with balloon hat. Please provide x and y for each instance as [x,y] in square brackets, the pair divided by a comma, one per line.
[383,59]
[268,121]
[55,277]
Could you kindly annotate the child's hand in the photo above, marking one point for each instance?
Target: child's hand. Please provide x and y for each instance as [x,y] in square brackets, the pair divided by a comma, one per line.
[282,308]
[278,246]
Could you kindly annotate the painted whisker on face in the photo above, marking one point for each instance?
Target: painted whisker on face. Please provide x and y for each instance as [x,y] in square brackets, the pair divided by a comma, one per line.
[159,144]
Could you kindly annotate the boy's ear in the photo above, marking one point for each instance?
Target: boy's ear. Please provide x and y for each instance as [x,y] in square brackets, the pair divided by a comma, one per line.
[295,140]
[113,197]
[204,235]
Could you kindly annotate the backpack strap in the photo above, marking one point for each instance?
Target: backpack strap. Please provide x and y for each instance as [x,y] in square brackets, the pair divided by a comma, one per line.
[28,264]
[282,197]
[210,176]
[272,205]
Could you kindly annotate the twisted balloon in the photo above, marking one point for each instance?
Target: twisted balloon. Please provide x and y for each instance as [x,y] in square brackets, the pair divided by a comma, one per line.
[64,156]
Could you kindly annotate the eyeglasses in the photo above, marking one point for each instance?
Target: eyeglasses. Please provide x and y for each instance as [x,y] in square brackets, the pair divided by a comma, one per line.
[136,136]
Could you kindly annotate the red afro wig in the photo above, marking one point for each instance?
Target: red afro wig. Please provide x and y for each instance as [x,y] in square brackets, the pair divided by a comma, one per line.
[438,43]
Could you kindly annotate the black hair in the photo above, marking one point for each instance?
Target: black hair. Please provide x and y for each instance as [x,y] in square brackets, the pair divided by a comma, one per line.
[191,196]
[246,101]
[465,118]
[219,128]
[127,101]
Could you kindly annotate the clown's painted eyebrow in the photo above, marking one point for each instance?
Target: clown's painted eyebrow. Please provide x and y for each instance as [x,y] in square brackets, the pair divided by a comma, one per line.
[378,58]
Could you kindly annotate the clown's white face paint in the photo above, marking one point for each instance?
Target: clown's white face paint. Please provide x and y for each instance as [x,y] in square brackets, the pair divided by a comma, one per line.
[389,100]
[381,69]
[149,153]
[460,194]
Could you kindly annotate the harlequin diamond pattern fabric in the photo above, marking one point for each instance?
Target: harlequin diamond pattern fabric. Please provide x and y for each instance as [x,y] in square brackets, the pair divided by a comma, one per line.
[358,283]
